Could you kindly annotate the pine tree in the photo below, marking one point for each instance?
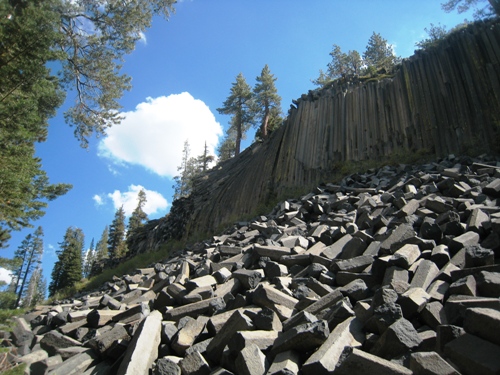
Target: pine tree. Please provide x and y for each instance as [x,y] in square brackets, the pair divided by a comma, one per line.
[342,64]
[117,247]
[40,291]
[490,9]
[204,160]
[101,248]
[36,289]
[138,216]
[379,53]
[435,33]
[267,102]
[67,270]
[29,97]
[29,255]
[89,260]
[226,149]
[100,253]
[187,172]
[239,104]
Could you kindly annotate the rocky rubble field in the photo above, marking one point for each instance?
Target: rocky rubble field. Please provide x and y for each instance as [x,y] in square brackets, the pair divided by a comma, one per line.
[390,272]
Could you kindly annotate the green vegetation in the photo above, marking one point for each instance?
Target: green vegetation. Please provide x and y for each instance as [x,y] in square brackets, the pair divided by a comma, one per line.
[29,256]
[117,246]
[260,107]
[482,8]
[138,216]
[6,315]
[6,324]
[16,370]
[239,105]
[85,42]
[126,267]
[378,59]
[267,103]
[190,169]
[29,96]
[68,268]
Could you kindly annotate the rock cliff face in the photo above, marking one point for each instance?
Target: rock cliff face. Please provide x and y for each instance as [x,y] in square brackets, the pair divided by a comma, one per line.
[444,100]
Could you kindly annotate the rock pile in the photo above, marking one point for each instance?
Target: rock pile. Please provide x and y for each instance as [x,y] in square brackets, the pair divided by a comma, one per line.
[390,272]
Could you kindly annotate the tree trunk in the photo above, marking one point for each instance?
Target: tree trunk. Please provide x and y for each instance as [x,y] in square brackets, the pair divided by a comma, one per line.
[24,279]
[237,142]
[265,121]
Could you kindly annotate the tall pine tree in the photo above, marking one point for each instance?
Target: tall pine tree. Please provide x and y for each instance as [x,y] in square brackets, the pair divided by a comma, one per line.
[117,247]
[226,149]
[239,104]
[204,160]
[379,53]
[67,270]
[100,253]
[29,255]
[101,249]
[29,97]
[89,260]
[138,216]
[187,171]
[36,289]
[267,102]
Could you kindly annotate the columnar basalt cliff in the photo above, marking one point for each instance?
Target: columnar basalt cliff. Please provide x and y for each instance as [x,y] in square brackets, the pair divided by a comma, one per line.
[445,100]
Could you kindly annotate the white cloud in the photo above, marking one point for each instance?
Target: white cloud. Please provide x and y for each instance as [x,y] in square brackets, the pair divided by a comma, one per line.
[153,134]
[99,201]
[5,275]
[155,202]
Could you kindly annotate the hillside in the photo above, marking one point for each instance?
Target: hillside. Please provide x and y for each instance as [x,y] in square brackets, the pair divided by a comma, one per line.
[441,101]
[349,279]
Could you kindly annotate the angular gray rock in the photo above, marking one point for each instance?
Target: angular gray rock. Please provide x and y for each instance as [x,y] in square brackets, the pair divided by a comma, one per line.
[397,339]
[143,348]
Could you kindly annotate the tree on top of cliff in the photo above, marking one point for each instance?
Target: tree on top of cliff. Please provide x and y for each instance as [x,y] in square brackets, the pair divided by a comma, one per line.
[228,145]
[267,103]
[379,53]
[342,64]
[435,33]
[184,180]
[239,104]
[482,8]
[190,169]
[204,160]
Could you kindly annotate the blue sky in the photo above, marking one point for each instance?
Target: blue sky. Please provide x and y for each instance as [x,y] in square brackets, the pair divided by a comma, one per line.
[181,72]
